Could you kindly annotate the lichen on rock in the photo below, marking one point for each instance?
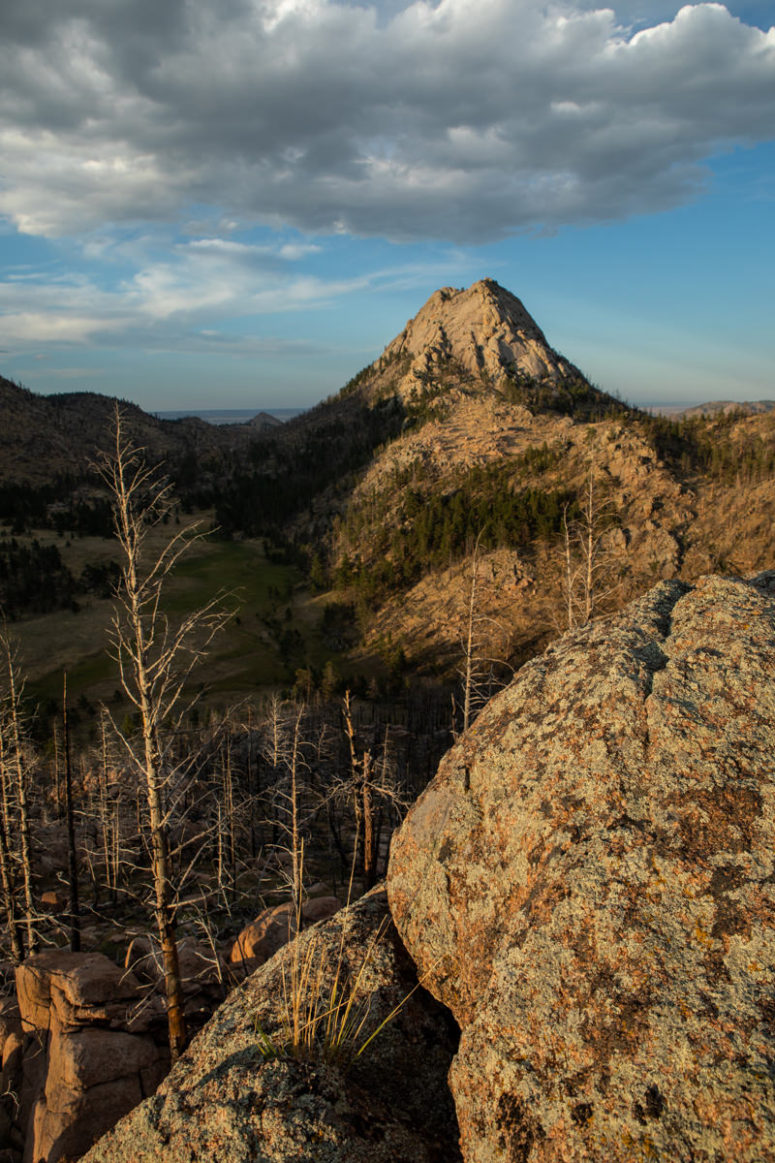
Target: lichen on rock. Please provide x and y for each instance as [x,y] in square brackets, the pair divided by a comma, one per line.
[588,884]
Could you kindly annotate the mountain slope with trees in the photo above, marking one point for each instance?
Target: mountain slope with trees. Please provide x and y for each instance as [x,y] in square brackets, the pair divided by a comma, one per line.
[469,428]
[489,436]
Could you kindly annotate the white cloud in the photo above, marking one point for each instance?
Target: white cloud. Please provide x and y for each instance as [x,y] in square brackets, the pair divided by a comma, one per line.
[461,119]
[20,328]
[172,303]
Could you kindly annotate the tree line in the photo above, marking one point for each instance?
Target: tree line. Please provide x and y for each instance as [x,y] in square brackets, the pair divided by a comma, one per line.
[571,395]
[712,446]
[35,580]
[432,530]
[59,505]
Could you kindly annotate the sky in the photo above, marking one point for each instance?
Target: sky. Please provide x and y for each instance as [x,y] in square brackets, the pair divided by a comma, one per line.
[239,203]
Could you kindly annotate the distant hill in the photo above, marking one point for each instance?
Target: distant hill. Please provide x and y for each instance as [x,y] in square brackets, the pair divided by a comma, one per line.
[713,408]
[222,416]
[263,420]
[49,445]
[730,407]
[42,437]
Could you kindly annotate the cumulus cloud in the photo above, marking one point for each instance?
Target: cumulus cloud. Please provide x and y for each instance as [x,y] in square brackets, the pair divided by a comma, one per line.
[457,119]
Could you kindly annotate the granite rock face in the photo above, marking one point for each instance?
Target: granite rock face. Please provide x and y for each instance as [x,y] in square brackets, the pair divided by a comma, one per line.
[87,1052]
[589,885]
[484,328]
[226,1102]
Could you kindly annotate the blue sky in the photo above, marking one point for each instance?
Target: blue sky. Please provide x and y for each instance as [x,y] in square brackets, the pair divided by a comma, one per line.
[238,203]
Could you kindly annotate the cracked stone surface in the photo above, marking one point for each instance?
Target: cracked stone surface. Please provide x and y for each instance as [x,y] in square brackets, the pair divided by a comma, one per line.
[589,885]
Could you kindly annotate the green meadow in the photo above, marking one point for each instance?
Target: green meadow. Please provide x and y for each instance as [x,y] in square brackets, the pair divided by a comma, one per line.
[273,631]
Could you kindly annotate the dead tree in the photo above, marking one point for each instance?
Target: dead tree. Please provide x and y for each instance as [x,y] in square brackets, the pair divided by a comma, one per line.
[296,765]
[108,813]
[7,871]
[72,856]
[15,762]
[569,574]
[155,660]
[468,659]
[369,786]
[285,749]
[477,669]
[588,577]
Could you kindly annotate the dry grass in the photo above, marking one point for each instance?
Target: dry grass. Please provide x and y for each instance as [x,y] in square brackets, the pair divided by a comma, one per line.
[326,1007]
[326,1002]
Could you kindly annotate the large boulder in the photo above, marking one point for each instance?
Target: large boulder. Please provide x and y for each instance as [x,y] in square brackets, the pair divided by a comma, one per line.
[80,988]
[230,1099]
[275,927]
[589,885]
[93,1078]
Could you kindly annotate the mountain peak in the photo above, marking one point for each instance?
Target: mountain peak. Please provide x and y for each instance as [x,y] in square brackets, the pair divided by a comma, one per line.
[484,329]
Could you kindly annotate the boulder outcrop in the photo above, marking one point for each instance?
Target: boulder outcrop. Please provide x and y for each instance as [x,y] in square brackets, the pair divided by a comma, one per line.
[88,1041]
[588,884]
[91,1046]
[231,1100]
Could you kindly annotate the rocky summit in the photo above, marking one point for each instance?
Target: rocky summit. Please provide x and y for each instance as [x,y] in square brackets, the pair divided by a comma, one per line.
[484,329]
[587,884]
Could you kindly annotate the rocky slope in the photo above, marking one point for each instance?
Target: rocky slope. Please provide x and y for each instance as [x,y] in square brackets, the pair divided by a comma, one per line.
[587,884]
[493,416]
[229,1101]
[643,522]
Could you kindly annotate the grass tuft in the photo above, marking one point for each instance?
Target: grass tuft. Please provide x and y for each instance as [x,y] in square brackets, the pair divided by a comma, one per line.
[326,1005]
